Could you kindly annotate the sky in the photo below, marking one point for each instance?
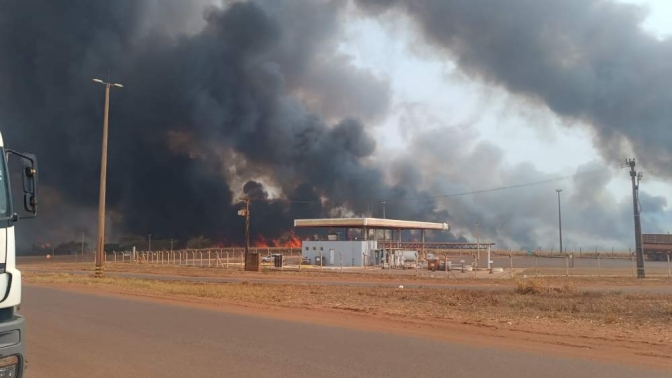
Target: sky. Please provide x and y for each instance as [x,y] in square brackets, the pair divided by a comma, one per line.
[341,105]
[431,92]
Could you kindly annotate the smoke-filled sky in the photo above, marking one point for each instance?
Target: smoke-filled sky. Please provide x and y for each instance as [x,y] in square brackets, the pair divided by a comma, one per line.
[327,108]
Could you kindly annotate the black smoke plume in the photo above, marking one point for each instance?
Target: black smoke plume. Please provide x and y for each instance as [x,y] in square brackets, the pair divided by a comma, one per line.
[586,60]
[202,98]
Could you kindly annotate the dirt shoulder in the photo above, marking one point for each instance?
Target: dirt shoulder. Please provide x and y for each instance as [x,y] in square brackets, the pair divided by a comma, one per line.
[371,276]
[536,317]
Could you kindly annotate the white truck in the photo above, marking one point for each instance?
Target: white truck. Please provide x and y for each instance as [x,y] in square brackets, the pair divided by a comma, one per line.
[12,335]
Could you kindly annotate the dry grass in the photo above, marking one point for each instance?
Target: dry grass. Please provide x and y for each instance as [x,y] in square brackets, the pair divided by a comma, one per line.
[374,275]
[529,301]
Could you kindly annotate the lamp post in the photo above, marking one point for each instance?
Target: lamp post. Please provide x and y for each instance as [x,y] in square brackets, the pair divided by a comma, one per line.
[100,252]
[559,219]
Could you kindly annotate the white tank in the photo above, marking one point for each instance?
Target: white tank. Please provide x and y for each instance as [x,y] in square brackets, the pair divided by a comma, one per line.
[408,256]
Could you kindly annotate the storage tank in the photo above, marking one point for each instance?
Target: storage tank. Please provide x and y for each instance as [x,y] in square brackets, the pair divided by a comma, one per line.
[408,256]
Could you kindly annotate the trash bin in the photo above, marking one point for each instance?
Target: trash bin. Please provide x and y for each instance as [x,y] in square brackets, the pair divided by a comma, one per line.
[277,260]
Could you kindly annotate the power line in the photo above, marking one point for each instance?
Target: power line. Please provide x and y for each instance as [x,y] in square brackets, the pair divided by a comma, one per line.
[451,195]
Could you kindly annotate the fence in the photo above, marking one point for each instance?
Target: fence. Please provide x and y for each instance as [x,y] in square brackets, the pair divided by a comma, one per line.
[539,264]
[219,258]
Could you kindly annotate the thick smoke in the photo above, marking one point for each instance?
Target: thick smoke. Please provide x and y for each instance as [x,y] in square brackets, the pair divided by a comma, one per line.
[195,95]
[527,217]
[587,60]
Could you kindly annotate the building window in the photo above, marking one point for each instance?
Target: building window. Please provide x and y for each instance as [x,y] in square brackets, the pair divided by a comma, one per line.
[314,248]
[307,248]
[321,248]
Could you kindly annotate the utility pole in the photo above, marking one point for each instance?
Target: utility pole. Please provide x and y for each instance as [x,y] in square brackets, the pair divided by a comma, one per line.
[559,220]
[100,252]
[636,178]
[246,213]
[478,243]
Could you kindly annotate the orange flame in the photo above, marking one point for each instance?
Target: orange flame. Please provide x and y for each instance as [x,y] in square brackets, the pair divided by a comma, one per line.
[287,240]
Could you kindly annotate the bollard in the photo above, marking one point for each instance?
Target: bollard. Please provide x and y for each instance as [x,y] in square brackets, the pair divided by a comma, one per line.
[200,254]
[209,252]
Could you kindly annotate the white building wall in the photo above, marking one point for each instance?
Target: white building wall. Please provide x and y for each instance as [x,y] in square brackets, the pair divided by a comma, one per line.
[352,252]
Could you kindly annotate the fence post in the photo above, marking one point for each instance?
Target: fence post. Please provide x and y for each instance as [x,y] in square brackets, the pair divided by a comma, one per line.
[115,256]
[566,266]
[598,265]
[669,271]
[340,256]
[322,262]
[536,265]
[511,263]
[632,264]
[209,252]
[300,257]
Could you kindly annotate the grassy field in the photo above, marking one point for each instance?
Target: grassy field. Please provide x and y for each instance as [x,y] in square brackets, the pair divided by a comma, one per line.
[528,301]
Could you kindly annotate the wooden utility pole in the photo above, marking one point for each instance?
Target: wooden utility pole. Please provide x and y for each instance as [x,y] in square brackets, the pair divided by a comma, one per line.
[246,213]
[639,251]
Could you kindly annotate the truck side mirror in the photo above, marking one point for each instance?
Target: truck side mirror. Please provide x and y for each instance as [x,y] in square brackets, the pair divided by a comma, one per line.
[30,183]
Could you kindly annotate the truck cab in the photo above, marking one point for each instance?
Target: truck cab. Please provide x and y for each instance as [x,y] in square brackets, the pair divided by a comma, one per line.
[12,334]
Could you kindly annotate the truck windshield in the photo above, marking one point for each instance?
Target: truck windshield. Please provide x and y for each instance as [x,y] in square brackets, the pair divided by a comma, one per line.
[4,191]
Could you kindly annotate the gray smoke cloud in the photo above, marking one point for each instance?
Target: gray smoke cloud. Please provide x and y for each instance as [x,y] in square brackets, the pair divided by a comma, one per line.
[196,92]
[527,217]
[586,60]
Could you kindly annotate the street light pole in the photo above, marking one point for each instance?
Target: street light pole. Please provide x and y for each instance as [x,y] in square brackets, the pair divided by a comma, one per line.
[100,252]
[559,219]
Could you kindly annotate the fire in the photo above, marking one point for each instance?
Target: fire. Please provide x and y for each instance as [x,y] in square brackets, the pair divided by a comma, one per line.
[287,240]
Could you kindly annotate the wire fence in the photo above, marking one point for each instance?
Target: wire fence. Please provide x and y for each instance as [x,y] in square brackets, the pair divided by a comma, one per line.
[458,263]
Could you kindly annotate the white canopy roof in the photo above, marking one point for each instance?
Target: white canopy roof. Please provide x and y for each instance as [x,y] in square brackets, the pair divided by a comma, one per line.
[371,223]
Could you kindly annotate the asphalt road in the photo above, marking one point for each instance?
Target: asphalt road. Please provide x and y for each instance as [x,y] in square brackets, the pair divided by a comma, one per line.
[81,335]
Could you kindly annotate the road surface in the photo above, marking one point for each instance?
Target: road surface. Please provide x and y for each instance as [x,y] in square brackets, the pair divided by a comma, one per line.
[72,334]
